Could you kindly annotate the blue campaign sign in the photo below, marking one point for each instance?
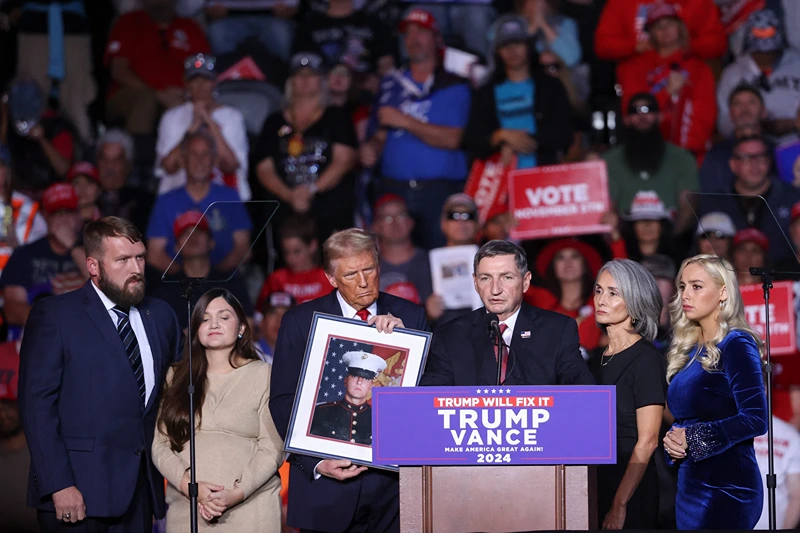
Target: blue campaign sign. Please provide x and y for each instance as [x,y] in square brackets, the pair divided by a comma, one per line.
[522,425]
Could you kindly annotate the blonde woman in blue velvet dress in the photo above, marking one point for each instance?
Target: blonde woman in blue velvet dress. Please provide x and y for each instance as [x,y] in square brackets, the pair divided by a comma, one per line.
[716,394]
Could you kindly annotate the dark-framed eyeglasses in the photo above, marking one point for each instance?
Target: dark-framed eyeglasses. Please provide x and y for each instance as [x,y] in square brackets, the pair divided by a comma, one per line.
[643,110]
[463,216]
[757,158]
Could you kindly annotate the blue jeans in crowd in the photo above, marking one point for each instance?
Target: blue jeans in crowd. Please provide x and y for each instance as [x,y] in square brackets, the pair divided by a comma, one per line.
[468,22]
[274,33]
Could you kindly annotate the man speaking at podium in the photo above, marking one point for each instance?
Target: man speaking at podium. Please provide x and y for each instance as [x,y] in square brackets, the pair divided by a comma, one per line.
[335,495]
[540,347]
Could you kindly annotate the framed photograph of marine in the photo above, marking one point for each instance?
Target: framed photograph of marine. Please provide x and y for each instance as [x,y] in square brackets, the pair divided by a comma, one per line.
[344,360]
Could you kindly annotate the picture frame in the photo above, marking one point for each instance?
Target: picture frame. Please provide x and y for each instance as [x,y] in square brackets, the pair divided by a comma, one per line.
[344,359]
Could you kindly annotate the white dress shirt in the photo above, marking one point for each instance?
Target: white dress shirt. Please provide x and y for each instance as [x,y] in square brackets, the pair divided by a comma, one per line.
[349,311]
[509,332]
[141,337]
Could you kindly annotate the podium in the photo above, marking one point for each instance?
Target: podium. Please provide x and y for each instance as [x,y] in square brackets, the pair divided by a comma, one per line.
[459,499]
[495,460]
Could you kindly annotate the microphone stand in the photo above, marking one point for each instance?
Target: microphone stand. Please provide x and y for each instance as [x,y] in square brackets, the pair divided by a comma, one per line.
[766,283]
[189,283]
[494,325]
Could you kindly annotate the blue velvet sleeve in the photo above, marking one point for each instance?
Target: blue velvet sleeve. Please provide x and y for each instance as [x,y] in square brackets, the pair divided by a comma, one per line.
[741,364]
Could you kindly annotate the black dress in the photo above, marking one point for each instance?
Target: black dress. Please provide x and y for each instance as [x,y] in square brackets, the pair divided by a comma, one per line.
[639,373]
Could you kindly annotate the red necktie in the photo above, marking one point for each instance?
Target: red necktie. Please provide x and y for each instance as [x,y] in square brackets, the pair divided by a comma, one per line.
[504,364]
[363,314]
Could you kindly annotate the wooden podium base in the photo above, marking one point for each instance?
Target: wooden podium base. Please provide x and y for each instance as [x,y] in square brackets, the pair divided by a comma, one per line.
[496,499]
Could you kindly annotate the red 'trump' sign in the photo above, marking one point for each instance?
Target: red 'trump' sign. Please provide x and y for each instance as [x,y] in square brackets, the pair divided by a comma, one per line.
[781,314]
[559,200]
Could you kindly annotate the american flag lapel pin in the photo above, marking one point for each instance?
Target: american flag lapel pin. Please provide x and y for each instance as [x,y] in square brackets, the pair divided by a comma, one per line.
[525,335]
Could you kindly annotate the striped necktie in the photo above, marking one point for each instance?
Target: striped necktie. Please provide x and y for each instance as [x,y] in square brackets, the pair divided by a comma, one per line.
[131,346]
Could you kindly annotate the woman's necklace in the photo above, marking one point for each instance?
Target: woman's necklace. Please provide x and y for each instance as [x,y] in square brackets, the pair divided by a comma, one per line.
[610,357]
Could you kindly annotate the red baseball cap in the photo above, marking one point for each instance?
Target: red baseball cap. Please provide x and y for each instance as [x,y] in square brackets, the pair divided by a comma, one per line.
[60,196]
[420,17]
[9,371]
[83,168]
[751,235]
[389,198]
[189,220]
[657,12]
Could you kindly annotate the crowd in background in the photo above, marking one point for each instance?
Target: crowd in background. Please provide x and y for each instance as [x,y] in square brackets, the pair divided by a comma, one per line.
[321,115]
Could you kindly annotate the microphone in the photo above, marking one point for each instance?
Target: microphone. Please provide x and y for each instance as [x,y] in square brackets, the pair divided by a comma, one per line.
[493,325]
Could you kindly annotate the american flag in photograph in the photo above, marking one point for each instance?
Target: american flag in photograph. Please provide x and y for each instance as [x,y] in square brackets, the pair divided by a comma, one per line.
[331,387]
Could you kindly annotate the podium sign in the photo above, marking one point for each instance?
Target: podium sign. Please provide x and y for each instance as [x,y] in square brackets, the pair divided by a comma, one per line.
[516,425]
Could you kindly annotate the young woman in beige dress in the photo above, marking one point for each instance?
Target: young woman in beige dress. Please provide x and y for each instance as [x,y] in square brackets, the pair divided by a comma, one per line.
[238,448]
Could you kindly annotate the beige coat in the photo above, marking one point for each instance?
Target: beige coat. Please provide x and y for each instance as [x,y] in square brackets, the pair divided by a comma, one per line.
[236,443]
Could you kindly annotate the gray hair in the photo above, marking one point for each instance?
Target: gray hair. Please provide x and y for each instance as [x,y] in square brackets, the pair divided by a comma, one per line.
[347,243]
[639,291]
[120,137]
[498,247]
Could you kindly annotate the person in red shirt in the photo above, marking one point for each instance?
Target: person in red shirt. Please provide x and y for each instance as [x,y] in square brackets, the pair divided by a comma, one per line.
[620,34]
[682,84]
[145,55]
[302,277]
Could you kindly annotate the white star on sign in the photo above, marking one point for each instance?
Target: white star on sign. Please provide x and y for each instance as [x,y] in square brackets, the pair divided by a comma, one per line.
[333,370]
[326,378]
[341,376]
[494,390]
[478,391]
[333,385]
[326,363]
[326,394]
[355,344]
[333,354]
[341,345]
[486,391]
[508,391]
[341,393]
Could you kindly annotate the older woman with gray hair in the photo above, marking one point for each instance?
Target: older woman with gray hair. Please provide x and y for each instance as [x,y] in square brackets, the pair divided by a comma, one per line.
[627,307]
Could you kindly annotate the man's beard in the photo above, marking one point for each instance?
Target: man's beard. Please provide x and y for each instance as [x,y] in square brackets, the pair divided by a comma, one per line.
[644,149]
[121,295]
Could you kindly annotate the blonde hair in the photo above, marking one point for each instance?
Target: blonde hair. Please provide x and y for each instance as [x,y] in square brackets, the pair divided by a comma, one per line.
[348,242]
[686,333]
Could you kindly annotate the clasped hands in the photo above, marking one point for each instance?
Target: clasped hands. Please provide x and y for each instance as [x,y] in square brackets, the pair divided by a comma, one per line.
[212,499]
[675,443]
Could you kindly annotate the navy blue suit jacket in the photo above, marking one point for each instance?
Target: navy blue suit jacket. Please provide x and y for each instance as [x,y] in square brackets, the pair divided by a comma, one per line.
[324,504]
[549,354]
[80,404]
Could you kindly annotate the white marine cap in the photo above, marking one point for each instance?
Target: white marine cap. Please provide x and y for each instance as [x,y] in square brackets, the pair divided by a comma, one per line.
[363,364]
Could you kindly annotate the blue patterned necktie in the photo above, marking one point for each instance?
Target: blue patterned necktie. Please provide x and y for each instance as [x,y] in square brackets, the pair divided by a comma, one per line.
[131,346]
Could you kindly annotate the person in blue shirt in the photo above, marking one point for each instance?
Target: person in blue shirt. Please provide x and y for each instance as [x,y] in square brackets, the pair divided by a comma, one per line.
[416,130]
[521,111]
[228,219]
